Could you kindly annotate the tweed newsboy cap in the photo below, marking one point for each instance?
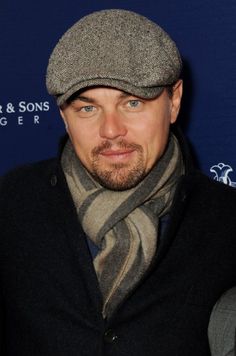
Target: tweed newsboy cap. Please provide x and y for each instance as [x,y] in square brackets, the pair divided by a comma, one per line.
[115,48]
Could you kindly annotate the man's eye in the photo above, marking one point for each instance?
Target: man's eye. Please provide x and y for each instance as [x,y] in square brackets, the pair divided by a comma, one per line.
[87,108]
[134,103]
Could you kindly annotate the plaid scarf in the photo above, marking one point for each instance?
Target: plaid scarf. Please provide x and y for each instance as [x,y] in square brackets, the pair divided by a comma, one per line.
[123,224]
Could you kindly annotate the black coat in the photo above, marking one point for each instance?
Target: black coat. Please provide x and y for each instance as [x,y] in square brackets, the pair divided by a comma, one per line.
[50,299]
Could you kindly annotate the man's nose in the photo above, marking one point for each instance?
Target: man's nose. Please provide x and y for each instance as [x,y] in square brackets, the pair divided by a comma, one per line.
[112,125]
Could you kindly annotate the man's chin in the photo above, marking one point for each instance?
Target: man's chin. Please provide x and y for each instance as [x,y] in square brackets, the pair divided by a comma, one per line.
[119,181]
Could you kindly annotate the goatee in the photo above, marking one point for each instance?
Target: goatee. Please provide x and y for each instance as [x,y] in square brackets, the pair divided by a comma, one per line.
[118,176]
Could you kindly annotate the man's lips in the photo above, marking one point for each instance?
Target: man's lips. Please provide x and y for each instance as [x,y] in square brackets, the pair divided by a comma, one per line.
[120,151]
[117,155]
[116,152]
[116,149]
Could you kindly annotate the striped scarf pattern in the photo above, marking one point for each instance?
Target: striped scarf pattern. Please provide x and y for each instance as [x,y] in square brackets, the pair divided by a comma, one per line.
[123,224]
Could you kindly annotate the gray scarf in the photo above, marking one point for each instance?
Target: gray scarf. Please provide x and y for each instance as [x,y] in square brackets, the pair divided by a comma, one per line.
[123,224]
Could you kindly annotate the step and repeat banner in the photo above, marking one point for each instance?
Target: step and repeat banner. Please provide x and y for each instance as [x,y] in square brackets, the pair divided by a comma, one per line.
[205,32]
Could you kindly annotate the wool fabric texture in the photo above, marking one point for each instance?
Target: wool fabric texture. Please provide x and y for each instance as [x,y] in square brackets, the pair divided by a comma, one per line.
[123,224]
[116,48]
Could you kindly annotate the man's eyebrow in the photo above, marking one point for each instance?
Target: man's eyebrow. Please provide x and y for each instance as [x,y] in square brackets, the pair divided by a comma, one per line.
[124,94]
[88,99]
[85,98]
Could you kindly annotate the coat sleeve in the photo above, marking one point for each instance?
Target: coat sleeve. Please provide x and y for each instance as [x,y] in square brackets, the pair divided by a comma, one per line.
[2,338]
[2,312]
[222,325]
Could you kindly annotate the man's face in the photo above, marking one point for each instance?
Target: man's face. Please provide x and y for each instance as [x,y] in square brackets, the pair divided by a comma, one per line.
[119,137]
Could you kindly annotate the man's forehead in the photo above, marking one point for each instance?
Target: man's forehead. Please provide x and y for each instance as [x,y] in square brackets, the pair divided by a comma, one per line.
[91,94]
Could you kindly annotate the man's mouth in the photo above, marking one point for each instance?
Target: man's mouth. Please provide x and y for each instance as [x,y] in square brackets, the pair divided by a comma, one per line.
[121,151]
[119,154]
[116,152]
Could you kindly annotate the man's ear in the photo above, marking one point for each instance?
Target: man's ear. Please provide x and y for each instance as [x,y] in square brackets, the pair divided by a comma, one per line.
[176,100]
[64,119]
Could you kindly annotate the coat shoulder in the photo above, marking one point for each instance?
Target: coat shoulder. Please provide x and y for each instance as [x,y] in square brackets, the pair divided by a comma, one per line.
[27,177]
[227,302]
[211,191]
[221,329]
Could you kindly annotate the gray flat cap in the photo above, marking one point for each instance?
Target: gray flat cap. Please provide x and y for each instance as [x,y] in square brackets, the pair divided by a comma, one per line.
[115,48]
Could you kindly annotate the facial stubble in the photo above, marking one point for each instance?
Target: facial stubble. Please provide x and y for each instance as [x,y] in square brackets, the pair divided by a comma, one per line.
[118,176]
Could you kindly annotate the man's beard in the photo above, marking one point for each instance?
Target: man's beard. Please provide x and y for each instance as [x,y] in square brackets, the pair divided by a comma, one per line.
[119,176]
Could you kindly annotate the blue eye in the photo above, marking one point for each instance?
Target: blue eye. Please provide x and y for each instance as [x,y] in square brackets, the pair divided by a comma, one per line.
[87,108]
[134,103]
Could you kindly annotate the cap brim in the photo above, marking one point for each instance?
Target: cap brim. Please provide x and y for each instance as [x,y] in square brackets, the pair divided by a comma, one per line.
[142,92]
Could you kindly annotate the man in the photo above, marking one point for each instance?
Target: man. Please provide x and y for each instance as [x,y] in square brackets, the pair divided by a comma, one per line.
[222,326]
[119,246]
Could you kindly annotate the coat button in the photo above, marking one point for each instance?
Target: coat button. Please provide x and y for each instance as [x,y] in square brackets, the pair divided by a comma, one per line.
[183,198]
[110,336]
[53,180]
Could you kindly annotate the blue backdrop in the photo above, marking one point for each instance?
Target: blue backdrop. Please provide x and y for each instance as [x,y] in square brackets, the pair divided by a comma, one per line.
[205,32]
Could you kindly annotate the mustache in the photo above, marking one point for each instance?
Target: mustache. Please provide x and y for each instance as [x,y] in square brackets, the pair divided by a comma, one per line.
[122,144]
